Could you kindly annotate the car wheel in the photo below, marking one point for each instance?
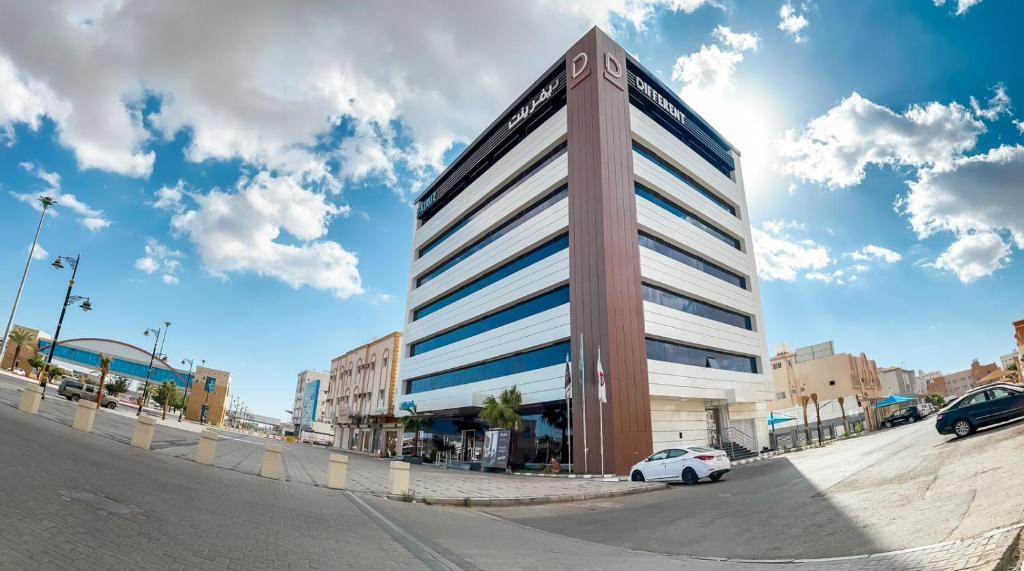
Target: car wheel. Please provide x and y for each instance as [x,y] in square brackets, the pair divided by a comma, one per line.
[716,477]
[911,420]
[962,428]
[690,477]
[75,398]
[637,476]
[888,424]
[111,405]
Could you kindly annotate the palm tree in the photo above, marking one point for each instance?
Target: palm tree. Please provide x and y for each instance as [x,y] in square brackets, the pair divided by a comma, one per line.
[817,412]
[21,339]
[37,363]
[105,361]
[415,421]
[842,410]
[165,395]
[118,387]
[804,399]
[503,413]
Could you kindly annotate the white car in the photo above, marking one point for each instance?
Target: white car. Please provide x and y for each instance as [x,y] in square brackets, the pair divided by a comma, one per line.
[686,465]
[18,371]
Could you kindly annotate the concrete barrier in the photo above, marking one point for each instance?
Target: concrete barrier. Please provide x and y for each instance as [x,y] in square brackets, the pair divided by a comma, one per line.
[271,462]
[145,426]
[398,478]
[85,414]
[31,396]
[337,472]
[207,447]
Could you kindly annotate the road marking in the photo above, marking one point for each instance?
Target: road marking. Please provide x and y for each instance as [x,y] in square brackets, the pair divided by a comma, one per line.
[421,551]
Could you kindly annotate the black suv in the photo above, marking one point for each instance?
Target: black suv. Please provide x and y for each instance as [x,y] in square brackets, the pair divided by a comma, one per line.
[910,415]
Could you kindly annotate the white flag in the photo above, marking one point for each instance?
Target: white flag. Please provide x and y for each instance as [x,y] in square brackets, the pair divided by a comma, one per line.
[602,389]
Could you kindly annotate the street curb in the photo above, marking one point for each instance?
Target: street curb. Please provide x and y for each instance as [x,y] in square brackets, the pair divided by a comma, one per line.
[469,502]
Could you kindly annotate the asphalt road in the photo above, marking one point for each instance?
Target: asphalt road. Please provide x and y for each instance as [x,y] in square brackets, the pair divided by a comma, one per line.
[898,488]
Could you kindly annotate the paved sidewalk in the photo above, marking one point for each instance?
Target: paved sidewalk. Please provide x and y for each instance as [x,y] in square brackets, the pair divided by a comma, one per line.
[308,465]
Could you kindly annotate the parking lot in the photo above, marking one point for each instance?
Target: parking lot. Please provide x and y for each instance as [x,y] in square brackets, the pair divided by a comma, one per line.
[898,488]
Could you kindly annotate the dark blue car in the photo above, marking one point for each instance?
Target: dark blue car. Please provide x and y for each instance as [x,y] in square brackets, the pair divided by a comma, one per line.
[981,407]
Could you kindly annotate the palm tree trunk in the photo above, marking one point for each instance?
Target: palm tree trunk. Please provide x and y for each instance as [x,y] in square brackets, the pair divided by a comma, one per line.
[99,399]
[817,413]
[14,363]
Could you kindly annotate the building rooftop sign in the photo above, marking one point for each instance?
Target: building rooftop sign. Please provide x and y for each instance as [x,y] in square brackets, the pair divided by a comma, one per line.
[530,110]
[811,352]
[649,95]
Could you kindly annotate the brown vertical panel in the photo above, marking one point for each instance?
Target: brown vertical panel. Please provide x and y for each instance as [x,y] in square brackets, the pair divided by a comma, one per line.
[606,306]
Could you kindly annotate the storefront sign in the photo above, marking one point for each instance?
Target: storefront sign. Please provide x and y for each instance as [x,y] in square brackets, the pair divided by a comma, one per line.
[496,443]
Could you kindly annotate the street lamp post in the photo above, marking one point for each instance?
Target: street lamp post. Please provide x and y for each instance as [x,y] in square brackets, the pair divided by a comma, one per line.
[47,202]
[188,383]
[68,300]
[167,326]
[149,372]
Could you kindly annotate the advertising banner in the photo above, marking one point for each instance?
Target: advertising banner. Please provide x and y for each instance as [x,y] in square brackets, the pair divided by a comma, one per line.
[496,443]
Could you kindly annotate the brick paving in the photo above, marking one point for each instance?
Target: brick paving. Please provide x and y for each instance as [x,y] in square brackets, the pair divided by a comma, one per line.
[70,500]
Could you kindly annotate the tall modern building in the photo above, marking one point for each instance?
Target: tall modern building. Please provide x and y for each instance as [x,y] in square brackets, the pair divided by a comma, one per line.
[309,403]
[597,215]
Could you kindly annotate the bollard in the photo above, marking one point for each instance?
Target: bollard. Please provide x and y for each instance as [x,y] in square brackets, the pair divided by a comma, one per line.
[398,478]
[143,435]
[30,398]
[337,471]
[271,462]
[85,413]
[207,447]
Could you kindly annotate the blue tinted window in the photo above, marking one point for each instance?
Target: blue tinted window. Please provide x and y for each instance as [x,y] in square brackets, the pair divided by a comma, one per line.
[662,296]
[690,217]
[519,363]
[525,260]
[516,181]
[699,357]
[489,238]
[694,261]
[524,309]
[685,178]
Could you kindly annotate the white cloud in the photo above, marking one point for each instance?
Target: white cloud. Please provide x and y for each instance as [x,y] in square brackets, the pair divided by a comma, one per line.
[160,257]
[1019,124]
[265,83]
[837,147]
[998,104]
[974,256]
[834,277]
[735,40]
[241,231]
[89,217]
[711,68]
[962,6]
[169,197]
[792,21]
[40,252]
[872,252]
[779,227]
[782,257]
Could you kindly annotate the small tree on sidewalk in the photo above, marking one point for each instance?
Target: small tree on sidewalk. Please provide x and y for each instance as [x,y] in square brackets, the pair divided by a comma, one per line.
[804,399]
[165,396]
[842,410]
[37,363]
[415,421]
[118,387]
[817,412]
[503,412]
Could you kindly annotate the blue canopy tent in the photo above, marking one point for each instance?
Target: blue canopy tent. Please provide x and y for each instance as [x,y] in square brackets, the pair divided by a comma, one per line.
[891,400]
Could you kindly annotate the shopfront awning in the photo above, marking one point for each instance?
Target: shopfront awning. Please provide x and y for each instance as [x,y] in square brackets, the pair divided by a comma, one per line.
[893,399]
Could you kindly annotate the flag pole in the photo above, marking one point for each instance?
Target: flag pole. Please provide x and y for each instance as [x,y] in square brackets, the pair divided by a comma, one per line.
[583,391]
[568,408]
[600,404]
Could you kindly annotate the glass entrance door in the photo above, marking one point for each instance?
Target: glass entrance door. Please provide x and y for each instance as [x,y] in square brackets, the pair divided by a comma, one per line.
[714,425]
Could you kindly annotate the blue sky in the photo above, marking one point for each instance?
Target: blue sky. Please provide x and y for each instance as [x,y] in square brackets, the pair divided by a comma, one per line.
[252,184]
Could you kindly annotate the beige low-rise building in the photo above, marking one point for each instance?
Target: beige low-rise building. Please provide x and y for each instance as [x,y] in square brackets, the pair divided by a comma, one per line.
[960,382]
[361,397]
[18,355]
[818,370]
[208,397]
